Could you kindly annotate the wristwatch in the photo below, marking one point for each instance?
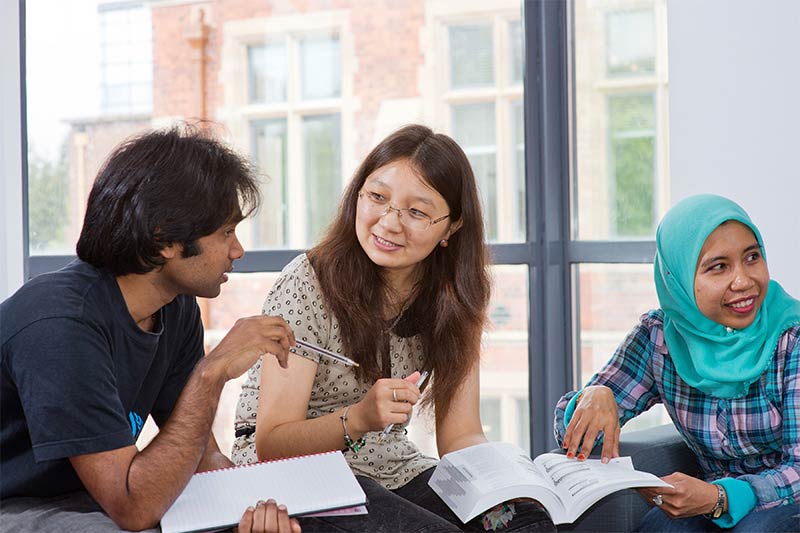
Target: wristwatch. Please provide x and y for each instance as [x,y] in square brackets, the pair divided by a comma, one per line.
[716,512]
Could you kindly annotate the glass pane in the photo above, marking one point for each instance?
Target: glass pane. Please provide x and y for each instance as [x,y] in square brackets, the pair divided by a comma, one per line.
[611,298]
[321,64]
[269,226]
[490,418]
[125,85]
[631,47]
[504,366]
[267,72]
[515,38]
[471,56]
[620,177]
[322,157]
[241,296]
[517,210]
[632,136]
[473,127]
[371,82]
[125,36]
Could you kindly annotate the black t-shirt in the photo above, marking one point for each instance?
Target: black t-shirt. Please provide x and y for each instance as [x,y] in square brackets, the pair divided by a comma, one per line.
[78,376]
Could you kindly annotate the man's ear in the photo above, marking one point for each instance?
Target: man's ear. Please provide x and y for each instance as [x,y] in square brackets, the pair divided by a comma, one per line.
[171,250]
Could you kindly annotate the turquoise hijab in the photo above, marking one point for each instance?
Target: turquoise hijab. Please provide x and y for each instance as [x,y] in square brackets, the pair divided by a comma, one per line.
[707,355]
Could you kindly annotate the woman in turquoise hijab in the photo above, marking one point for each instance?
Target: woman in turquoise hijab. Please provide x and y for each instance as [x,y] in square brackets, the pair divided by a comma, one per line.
[723,355]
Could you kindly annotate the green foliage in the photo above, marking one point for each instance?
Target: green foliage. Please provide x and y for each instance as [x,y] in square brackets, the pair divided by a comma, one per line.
[48,195]
[632,135]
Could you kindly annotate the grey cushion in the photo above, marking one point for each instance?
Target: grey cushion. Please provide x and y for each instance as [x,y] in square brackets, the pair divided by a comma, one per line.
[658,450]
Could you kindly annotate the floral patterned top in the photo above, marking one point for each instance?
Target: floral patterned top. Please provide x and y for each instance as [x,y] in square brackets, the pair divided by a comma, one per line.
[297,297]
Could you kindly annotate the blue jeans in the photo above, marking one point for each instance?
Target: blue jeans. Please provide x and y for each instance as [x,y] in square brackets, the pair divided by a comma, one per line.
[415,508]
[782,519]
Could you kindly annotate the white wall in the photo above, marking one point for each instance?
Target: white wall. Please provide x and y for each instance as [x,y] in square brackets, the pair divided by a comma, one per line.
[735,114]
[11,273]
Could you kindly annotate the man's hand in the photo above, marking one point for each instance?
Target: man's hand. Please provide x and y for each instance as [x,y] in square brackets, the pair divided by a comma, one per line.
[267,517]
[596,411]
[688,496]
[249,339]
[136,488]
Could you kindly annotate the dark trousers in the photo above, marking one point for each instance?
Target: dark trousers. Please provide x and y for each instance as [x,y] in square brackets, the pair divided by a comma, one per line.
[783,519]
[415,508]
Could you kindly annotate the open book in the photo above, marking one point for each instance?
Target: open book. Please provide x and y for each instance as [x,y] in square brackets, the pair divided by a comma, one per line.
[305,485]
[477,478]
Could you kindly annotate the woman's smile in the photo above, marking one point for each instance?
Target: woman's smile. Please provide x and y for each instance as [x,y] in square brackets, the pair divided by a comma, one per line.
[385,244]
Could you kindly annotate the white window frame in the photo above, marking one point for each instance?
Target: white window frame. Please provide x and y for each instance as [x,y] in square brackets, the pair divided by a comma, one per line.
[656,83]
[239,113]
[504,92]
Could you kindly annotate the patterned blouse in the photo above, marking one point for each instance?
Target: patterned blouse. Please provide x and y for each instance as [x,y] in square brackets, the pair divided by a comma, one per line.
[754,438]
[297,297]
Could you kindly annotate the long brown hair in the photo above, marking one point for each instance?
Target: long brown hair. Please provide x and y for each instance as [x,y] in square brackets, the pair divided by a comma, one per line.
[453,285]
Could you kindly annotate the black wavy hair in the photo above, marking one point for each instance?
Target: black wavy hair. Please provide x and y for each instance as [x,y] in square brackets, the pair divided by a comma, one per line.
[163,187]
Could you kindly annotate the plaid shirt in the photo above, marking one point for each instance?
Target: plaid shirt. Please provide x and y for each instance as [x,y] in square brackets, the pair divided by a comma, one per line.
[755,438]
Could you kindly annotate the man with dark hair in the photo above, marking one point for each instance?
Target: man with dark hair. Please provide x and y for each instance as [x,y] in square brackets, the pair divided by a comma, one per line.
[90,351]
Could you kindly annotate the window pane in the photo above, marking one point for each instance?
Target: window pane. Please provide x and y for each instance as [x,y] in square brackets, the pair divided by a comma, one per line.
[269,226]
[473,128]
[490,418]
[241,296]
[471,56]
[504,366]
[632,136]
[331,88]
[267,71]
[611,298]
[631,43]
[124,41]
[515,36]
[517,210]
[322,149]
[620,181]
[321,64]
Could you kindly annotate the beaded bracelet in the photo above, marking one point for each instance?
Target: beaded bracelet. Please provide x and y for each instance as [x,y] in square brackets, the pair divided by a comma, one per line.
[354,446]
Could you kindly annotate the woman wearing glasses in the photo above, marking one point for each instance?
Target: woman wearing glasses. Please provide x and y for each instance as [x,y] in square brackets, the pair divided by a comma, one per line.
[399,284]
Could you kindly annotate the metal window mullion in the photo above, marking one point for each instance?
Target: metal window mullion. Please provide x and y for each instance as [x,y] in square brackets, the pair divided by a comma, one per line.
[23,95]
[547,173]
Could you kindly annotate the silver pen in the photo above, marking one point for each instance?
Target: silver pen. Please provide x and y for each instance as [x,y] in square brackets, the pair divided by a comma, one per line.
[326,353]
[420,381]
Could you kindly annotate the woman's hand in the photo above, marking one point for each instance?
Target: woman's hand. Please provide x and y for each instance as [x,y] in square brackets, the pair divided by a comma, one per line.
[688,496]
[596,411]
[267,517]
[389,401]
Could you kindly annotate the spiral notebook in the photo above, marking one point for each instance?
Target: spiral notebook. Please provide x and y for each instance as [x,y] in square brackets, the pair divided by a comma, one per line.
[305,485]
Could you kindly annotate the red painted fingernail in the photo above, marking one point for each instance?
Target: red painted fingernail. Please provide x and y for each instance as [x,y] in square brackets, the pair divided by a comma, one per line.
[581,457]
[565,446]
[570,455]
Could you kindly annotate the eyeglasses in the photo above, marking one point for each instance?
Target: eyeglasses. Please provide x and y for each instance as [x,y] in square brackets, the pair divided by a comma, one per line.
[414,219]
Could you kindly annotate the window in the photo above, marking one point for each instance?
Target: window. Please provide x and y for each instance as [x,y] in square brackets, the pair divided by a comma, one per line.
[306,94]
[126,66]
[481,89]
[293,110]
[631,43]
[620,178]
[632,145]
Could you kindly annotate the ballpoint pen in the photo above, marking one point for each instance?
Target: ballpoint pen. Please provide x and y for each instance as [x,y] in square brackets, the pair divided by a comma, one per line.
[326,353]
[418,384]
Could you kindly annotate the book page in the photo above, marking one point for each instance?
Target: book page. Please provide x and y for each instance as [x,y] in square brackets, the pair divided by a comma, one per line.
[304,485]
[474,479]
[582,483]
